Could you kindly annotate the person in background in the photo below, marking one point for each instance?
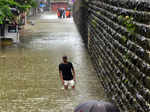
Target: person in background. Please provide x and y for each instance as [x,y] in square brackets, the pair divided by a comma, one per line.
[68,13]
[58,13]
[63,12]
[67,73]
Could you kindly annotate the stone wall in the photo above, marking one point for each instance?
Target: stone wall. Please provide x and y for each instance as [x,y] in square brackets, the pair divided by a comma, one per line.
[80,15]
[117,34]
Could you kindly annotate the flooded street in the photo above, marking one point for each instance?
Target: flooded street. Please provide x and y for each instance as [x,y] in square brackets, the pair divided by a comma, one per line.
[29,79]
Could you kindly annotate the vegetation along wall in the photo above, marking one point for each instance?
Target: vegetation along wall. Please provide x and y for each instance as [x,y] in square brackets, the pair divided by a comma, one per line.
[117,35]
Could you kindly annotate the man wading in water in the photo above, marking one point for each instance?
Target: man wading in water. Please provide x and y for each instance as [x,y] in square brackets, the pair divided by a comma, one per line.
[67,73]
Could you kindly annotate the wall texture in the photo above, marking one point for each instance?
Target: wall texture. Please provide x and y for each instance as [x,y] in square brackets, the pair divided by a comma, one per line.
[117,35]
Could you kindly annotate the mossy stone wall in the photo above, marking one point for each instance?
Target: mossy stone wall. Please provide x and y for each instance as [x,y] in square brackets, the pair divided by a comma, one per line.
[117,35]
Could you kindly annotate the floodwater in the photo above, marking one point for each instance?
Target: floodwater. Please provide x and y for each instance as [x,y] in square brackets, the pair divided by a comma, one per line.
[29,79]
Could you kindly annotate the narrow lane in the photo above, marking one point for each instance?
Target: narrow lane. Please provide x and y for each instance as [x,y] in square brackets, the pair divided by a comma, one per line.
[29,79]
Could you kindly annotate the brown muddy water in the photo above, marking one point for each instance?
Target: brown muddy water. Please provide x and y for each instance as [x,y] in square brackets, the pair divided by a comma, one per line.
[29,79]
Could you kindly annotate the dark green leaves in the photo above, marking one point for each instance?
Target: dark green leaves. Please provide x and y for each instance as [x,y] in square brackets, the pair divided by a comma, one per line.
[20,5]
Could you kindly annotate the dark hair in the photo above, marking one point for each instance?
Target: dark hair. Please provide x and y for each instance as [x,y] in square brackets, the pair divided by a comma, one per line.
[64,57]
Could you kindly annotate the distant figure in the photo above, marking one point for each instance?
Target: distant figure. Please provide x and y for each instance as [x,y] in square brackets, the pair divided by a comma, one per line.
[58,13]
[67,73]
[96,106]
[63,12]
[68,13]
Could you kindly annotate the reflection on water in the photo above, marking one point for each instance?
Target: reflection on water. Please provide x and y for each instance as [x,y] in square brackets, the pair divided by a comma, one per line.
[52,16]
[29,80]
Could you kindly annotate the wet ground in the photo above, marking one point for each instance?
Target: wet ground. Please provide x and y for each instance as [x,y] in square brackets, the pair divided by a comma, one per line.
[29,79]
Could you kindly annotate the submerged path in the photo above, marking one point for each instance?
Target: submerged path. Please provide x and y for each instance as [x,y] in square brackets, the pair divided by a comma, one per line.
[29,79]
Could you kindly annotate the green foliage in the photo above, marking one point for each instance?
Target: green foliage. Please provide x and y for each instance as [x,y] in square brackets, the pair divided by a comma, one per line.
[2,16]
[126,81]
[120,17]
[129,24]
[20,5]
[5,10]
[27,3]
[135,9]
[127,21]
[124,39]
[94,23]
[99,13]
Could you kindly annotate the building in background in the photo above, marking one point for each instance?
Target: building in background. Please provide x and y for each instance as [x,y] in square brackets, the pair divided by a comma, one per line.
[70,3]
[55,4]
[51,5]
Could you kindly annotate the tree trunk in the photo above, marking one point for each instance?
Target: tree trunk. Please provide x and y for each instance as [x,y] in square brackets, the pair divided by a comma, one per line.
[3,30]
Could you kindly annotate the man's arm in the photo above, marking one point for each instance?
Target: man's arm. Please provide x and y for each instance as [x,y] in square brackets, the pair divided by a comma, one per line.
[61,76]
[74,74]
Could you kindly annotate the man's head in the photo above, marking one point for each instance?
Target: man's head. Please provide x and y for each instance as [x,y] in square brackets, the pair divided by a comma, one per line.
[65,59]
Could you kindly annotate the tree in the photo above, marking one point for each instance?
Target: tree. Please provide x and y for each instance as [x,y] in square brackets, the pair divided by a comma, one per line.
[26,4]
[20,6]
[5,9]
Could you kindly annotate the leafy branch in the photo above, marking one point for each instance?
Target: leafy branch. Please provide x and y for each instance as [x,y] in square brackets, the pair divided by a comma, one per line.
[19,5]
